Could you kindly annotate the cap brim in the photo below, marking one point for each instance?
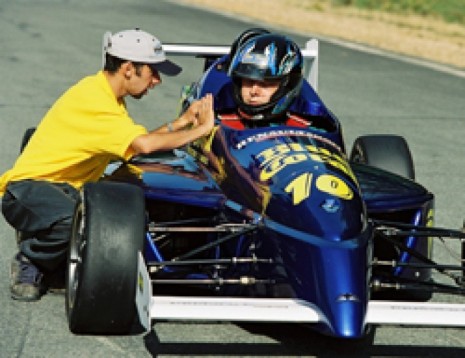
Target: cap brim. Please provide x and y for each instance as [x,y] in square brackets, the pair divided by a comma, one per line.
[167,68]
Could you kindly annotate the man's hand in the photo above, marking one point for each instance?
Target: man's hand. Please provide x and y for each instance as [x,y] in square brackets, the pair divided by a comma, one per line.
[205,115]
[199,113]
[197,121]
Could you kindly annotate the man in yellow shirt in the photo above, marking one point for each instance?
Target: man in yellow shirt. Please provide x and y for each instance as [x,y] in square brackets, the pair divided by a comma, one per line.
[86,128]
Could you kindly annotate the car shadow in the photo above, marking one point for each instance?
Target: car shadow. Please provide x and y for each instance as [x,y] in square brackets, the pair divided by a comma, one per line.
[294,340]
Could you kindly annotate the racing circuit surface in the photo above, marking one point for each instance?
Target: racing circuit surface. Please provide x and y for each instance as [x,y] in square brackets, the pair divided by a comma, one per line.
[47,45]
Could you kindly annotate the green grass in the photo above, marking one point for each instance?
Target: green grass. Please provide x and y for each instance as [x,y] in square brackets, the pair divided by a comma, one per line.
[448,10]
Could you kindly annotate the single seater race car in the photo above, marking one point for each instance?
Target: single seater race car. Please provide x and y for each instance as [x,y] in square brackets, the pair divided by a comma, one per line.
[277,224]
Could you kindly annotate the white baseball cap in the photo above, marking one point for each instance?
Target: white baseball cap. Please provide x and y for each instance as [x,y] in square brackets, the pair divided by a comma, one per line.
[139,46]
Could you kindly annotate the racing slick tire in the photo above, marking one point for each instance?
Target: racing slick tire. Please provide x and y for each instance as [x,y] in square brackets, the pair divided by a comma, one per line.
[107,235]
[387,152]
[390,153]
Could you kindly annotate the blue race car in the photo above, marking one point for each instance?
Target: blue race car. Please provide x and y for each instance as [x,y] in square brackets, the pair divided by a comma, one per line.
[276,224]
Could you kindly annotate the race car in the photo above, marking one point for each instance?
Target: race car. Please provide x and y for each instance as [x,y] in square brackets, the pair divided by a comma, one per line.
[276,224]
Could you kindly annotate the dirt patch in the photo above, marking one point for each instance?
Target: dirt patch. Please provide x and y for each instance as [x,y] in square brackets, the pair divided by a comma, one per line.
[426,38]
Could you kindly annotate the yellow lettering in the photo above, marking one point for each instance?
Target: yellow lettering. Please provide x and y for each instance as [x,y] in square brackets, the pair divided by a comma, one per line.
[277,164]
[335,186]
[270,153]
[300,187]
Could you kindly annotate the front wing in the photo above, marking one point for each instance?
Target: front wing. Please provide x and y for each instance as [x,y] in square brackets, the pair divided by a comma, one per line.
[282,310]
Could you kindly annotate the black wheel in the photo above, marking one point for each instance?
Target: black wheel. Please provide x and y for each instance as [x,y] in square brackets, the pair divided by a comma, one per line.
[390,153]
[387,152]
[26,136]
[107,234]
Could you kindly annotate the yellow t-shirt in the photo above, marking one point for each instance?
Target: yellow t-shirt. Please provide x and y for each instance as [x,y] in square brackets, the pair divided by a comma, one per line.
[85,129]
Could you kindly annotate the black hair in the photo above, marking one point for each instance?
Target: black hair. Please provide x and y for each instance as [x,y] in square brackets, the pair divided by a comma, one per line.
[113,63]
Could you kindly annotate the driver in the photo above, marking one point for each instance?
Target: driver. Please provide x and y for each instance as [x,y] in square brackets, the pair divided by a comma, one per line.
[266,74]
[86,128]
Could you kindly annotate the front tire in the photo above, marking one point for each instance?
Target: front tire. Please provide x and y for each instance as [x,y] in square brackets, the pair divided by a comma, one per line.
[390,153]
[387,152]
[107,234]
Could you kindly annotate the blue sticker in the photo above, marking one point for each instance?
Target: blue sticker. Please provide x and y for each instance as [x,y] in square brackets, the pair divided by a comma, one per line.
[330,205]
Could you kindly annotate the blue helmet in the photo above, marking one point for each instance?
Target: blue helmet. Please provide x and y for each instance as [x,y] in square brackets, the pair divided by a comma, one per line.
[243,38]
[268,57]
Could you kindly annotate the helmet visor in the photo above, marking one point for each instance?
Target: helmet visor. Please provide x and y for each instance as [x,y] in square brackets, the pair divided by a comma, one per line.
[255,72]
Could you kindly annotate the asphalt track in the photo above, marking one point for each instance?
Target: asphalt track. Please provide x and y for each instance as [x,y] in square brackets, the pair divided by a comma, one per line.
[46,45]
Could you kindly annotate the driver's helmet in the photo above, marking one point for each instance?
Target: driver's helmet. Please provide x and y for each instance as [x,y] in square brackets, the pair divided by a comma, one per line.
[267,57]
[244,37]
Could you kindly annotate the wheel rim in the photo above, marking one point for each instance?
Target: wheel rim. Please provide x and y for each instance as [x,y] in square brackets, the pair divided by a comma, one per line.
[76,250]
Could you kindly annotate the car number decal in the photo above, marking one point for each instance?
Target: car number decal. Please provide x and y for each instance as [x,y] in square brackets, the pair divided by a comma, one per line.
[275,159]
[299,188]
[335,186]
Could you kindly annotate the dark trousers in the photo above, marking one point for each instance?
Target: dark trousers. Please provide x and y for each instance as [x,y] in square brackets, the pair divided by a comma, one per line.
[43,213]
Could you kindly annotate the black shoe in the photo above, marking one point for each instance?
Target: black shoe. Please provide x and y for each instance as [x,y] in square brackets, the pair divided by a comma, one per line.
[25,280]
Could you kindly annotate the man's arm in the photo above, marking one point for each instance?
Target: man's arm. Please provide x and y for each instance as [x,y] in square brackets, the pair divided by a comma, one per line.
[197,121]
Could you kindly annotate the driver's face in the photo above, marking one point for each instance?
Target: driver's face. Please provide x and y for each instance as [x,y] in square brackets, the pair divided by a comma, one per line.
[255,93]
[141,82]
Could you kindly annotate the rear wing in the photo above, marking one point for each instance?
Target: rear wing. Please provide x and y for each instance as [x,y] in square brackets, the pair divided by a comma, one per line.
[309,53]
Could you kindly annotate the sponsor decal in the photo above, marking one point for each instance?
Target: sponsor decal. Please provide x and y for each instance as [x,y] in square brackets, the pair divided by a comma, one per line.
[259,137]
[273,160]
[331,205]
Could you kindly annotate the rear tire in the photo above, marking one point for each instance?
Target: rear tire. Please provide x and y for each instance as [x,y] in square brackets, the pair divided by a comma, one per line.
[387,152]
[107,234]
